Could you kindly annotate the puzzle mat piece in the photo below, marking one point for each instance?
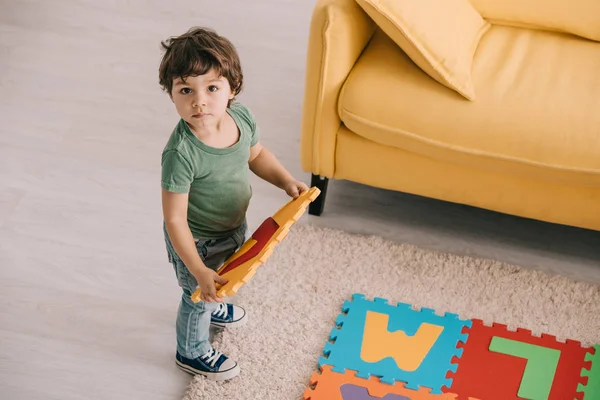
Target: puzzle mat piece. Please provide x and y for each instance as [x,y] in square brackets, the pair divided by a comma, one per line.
[242,265]
[327,386]
[345,352]
[591,389]
[479,369]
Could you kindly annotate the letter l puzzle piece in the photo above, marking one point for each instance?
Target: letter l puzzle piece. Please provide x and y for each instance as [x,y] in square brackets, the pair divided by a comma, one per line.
[489,369]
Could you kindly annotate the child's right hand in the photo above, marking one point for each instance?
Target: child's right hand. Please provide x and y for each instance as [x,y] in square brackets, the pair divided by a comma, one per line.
[206,282]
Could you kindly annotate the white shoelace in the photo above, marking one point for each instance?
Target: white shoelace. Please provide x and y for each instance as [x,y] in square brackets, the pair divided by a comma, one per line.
[211,357]
[221,312]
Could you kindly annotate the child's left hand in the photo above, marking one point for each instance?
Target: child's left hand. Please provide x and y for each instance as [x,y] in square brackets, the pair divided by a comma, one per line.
[295,188]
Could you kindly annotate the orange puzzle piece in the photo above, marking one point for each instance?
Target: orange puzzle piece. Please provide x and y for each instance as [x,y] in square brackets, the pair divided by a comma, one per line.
[330,385]
[242,265]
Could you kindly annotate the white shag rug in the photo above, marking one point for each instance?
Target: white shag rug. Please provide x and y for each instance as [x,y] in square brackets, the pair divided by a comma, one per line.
[295,297]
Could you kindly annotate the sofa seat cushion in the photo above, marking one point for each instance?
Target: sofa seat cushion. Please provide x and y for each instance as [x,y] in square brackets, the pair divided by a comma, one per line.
[537,111]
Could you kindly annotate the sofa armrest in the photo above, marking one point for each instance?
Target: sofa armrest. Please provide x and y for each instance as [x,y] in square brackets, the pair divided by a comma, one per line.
[339,32]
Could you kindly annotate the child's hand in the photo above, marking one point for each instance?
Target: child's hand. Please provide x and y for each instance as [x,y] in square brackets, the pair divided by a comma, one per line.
[295,188]
[206,282]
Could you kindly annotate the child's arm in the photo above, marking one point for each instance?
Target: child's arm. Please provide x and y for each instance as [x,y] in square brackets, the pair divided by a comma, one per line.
[265,165]
[175,215]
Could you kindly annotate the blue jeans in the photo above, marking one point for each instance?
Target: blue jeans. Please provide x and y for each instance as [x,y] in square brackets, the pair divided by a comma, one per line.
[193,319]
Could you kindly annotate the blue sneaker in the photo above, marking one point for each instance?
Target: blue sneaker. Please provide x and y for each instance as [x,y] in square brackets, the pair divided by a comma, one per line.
[214,365]
[228,315]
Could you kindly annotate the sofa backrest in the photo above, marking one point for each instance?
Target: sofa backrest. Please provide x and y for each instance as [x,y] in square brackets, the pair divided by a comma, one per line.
[578,17]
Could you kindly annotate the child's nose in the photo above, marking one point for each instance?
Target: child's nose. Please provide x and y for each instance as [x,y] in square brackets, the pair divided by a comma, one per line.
[199,100]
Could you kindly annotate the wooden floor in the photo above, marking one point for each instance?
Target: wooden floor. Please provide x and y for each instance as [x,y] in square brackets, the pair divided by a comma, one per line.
[87,298]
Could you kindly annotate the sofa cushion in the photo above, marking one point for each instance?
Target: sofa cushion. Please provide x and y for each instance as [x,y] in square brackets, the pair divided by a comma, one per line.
[440,36]
[578,17]
[537,111]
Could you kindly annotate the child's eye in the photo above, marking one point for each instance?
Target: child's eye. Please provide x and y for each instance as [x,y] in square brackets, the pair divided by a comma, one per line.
[212,88]
[185,90]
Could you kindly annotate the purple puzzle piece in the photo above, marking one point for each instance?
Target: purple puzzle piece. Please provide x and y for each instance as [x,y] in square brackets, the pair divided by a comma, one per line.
[352,392]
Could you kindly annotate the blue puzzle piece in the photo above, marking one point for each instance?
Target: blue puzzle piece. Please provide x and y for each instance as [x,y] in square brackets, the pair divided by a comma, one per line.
[345,352]
[352,392]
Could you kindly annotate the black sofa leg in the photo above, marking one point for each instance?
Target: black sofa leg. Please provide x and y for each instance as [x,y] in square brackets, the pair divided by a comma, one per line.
[316,207]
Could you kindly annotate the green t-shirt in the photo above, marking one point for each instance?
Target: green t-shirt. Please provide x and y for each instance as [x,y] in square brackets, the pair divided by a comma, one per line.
[217,180]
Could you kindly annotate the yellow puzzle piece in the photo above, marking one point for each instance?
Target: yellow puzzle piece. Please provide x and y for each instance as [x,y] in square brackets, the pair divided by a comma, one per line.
[407,351]
[242,265]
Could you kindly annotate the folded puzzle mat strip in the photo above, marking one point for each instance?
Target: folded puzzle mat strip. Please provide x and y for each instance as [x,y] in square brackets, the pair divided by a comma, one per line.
[242,265]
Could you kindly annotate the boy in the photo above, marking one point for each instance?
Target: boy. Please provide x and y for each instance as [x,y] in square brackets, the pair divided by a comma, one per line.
[206,189]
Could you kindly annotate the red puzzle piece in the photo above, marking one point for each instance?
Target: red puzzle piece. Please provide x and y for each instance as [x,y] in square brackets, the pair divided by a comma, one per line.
[494,376]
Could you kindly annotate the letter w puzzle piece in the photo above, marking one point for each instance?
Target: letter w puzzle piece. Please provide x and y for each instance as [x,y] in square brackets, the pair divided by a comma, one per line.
[395,343]
[242,265]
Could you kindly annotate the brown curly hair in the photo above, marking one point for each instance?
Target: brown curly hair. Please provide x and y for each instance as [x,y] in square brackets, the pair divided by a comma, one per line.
[195,53]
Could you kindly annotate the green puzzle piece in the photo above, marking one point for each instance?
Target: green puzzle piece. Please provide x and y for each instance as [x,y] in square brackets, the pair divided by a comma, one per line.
[539,370]
[592,389]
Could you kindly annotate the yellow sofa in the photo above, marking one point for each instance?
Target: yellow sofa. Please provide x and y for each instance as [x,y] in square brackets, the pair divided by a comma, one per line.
[528,144]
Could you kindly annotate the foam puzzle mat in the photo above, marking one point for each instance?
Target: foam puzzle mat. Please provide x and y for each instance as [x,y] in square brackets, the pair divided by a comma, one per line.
[396,352]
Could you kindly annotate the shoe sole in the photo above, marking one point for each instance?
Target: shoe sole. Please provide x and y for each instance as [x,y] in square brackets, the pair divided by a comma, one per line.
[213,376]
[240,322]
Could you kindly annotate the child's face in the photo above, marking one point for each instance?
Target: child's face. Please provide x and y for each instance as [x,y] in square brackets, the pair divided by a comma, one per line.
[201,100]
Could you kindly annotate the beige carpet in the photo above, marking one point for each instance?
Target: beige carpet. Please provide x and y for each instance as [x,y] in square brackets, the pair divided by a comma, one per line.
[295,297]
